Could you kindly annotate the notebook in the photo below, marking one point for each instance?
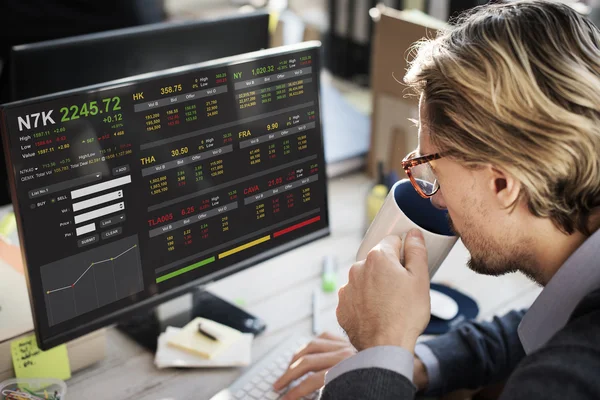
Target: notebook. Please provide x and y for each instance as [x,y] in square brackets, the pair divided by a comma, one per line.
[239,354]
[190,340]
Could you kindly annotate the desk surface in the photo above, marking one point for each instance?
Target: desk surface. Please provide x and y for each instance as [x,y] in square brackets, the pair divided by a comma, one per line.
[280,293]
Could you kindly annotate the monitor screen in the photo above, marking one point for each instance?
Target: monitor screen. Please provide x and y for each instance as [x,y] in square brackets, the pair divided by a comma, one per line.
[132,192]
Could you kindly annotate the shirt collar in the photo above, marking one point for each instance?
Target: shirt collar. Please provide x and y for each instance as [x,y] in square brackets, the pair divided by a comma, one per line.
[576,278]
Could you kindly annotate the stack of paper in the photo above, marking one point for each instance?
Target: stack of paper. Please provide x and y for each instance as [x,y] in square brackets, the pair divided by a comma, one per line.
[186,347]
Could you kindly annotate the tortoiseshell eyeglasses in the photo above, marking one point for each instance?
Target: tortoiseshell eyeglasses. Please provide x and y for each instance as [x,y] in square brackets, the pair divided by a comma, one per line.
[421,173]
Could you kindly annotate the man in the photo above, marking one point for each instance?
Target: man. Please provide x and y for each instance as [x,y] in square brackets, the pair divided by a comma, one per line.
[509,139]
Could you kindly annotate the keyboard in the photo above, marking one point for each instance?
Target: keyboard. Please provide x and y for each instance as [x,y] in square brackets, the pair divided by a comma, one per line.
[257,382]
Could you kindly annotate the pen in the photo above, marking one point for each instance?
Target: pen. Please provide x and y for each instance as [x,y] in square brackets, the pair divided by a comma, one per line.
[315,312]
[206,333]
[328,274]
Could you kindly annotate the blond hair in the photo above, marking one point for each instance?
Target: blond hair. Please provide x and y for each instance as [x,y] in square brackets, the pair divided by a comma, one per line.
[517,85]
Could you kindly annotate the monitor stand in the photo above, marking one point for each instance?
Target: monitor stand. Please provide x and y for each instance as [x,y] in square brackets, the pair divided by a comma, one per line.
[145,327]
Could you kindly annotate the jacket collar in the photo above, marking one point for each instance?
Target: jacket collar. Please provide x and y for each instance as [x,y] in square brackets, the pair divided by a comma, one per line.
[576,278]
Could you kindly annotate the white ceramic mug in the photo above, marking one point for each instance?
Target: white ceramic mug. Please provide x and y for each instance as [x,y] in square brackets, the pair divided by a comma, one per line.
[403,210]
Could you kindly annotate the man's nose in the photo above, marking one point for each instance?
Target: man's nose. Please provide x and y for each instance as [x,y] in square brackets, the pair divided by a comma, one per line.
[438,200]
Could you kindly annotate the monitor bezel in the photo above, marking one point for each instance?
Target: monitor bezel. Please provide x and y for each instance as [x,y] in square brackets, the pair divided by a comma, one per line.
[113,318]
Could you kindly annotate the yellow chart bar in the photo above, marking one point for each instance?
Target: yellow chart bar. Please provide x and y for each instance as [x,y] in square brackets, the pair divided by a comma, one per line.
[244,246]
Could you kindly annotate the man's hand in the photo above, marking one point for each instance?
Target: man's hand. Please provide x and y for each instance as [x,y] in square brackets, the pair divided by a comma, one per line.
[385,303]
[420,376]
[317,358]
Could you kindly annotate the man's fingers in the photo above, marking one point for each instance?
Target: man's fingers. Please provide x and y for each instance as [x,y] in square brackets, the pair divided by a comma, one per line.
[319,345]
[308,363]
[291,374]
[415,253]
[341,311]
[355,272]
[390,245]
[331,336]
[311,384]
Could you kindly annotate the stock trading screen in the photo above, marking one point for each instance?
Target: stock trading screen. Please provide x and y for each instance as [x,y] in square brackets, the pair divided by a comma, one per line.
[127,191]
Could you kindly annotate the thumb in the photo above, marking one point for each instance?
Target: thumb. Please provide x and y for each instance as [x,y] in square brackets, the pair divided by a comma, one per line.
[415,253]
[391,245]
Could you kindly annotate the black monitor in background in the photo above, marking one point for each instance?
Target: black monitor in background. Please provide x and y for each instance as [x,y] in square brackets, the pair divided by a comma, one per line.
[62,64]
[135,191]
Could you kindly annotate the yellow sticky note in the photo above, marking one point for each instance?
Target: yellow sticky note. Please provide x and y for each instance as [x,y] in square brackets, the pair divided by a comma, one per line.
[8,224]
[31,362]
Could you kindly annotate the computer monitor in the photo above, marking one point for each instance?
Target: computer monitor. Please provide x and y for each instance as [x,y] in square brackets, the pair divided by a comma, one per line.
[132,192]
[56,65]
[62,64]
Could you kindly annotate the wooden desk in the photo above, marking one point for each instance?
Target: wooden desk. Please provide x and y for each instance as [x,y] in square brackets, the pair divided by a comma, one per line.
[279,290]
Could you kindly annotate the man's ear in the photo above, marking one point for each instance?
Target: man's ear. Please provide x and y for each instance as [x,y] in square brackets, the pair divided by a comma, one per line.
[504,186]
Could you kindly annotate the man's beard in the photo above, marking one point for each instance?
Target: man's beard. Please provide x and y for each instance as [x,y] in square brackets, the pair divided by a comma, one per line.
[485,260]
[451,225]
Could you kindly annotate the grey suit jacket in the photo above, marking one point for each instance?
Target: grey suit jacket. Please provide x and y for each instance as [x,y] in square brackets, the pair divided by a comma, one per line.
[478,354]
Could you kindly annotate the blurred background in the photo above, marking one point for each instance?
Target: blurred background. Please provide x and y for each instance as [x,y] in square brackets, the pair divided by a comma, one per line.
[346,27]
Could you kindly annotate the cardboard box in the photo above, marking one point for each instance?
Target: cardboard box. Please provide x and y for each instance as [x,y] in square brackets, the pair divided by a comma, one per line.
[395,32]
